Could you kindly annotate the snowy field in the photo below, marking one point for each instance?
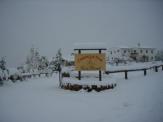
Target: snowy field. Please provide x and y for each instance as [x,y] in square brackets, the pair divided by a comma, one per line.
[138,99]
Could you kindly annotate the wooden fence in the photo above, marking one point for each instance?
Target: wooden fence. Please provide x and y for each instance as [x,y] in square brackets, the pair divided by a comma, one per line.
[132,70]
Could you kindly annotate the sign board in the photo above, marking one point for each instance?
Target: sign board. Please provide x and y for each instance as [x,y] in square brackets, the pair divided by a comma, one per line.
[90,61]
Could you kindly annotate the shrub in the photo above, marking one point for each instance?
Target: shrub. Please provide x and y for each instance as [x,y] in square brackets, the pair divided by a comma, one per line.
[65,74]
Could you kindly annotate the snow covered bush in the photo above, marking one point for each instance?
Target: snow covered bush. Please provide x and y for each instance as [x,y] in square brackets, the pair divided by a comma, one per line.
[15,75]
[65,74]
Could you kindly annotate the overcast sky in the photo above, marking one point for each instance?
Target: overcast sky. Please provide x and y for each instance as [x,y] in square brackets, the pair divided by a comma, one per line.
[49,25]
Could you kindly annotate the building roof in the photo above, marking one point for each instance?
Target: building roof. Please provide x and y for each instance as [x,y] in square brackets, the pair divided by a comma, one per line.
[125,47]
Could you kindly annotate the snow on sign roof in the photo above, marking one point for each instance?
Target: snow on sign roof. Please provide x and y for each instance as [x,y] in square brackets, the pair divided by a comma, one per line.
[90,45]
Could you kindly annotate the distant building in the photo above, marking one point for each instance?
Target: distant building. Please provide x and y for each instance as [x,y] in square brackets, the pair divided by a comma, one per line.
[123,54]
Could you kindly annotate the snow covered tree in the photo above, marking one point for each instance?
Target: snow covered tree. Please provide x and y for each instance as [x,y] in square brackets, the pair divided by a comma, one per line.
[3,63]
[33,60]
[43,63]
[4,72]
[58,62]
[159,56]
[36,60]
[52,65]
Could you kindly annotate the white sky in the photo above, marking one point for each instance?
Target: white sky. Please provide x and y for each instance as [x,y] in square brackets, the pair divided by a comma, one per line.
[50,25]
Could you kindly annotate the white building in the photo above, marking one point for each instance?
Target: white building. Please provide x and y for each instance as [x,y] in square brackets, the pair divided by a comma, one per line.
[122,54]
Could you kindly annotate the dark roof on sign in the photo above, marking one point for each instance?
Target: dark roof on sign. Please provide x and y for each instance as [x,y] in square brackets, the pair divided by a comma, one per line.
[90,46]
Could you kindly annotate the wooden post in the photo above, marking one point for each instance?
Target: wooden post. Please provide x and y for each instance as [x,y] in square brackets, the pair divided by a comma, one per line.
[79,75]
[126,75]
[100,73]
[162,67]
[100,78]
[145,72]
[156,69]
[79,72]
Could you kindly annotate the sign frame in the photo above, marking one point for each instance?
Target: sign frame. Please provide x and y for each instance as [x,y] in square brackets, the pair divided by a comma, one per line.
[99,50]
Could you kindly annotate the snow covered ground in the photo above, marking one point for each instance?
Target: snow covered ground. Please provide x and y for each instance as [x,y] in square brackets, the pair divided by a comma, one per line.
[138,99]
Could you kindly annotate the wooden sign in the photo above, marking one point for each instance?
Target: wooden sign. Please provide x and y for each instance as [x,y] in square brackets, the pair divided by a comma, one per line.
[90,61]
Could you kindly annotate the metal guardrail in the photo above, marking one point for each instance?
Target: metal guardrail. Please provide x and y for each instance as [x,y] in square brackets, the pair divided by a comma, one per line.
[24,76]
[132,70]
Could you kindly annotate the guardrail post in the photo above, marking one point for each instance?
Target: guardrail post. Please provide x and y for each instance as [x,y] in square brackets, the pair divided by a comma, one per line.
[100,78]
[156,69]
[126,75]
[79,73]
[145,72]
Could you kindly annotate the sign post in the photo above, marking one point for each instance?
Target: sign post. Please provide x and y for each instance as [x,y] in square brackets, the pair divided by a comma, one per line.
[79,70]
[100,78]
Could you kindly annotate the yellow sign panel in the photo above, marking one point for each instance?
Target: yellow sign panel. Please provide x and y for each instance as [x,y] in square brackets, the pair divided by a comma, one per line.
[90,61]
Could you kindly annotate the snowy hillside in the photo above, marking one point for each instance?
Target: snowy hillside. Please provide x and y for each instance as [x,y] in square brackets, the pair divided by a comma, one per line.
[138,99]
